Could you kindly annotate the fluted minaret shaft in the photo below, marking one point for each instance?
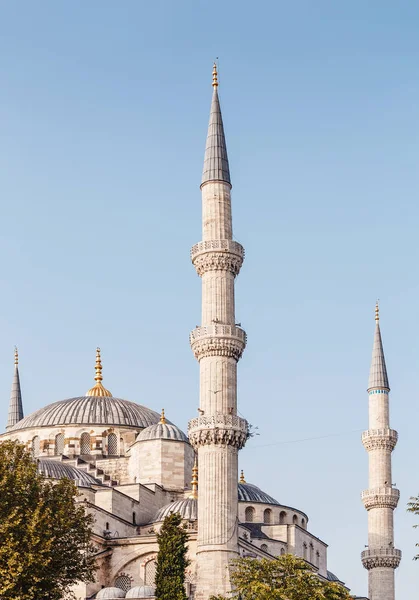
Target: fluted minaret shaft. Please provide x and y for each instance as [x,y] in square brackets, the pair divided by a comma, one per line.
[380,500]
[218,433]
[15,404]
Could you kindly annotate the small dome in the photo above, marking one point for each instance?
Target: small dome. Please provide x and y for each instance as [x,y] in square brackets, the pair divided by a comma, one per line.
[110,593]
[251,493]
[58,470]
[162,431]
[187,508]
[141,591]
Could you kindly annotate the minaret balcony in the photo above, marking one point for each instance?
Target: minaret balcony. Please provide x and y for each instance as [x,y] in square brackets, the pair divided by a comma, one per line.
[217,255]
[218,429]
[379,439]
[218,340]
[381,497]
[381,557]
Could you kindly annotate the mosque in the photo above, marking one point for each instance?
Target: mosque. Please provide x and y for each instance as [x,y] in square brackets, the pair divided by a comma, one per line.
[134,466]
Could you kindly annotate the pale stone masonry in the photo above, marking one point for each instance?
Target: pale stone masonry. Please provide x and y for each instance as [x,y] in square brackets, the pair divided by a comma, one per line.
[218,433]
[381,558]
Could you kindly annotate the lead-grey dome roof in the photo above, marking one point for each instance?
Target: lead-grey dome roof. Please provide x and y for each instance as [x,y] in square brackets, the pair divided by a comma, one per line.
[110,593]
[251,493]
[141,591]
[58,470]
[90,410]
[187,508]
[162,431]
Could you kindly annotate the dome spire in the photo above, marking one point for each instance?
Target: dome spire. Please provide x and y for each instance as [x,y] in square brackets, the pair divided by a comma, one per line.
[242,479]
[98,389]
[194,482]
[15,405]
[163,417]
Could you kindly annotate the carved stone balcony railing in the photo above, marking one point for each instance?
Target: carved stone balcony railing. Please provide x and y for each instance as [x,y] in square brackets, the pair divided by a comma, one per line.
[218,340]
[219,429]
[381,497]
[381,439]
[381,557]
[217,255]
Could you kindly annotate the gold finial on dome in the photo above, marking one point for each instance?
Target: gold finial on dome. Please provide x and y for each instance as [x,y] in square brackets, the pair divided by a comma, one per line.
[194,482]
[214,75]
[377,311]
[16,356]
[163,417]
[242,479]
[98,389]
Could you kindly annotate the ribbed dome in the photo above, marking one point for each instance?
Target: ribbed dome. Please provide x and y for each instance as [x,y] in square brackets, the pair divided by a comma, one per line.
[110,593]
[90,410]
[162,431]
[251,493]
[187,508]
[58,470]
[141,591]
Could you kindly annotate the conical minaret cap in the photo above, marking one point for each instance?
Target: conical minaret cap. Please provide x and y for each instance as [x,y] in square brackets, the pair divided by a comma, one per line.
[216,166]
[378,371]
[15,405]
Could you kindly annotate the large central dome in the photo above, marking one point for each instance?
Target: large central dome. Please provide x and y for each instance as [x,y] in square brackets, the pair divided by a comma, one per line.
[90,410]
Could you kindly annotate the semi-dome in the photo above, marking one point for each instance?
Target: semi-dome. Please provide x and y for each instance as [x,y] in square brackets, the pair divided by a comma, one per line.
[163,430]
[187,508]
[251,493]
[58,470]
[141,591]
[110,593]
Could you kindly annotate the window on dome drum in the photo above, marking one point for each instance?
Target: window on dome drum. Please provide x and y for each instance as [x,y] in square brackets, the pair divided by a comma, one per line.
[123,582]
[305,551]
[59,444]
[112,444]
[264,547]
[282,517]
[267,516]
[303,523]
[295,520]
[150,573]
[35,446]
[85,443]
[249,514]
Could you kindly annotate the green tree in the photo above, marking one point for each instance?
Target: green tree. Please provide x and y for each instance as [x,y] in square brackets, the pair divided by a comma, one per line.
[171,559]
[285,577]
[413,507]
[44,533]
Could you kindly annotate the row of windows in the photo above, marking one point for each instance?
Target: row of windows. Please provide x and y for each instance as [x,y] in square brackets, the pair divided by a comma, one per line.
[310,556]
[249,517]
[85,444]
[265,548]
[378,392]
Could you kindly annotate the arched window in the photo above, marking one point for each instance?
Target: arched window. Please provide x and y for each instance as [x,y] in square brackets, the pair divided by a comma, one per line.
[249,515]
[317,559]
[312,554]
[264,547]
[282,551]
[267,516]
[305,551]
[282,517]
[85,443]
[112,444]
[35,446]
[123,582]
[59,444]
[295,520]
[303,523]
[150,572]
[134,518]
[107,525]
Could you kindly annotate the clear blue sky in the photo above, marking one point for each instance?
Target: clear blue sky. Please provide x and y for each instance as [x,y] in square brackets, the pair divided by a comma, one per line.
[103,116]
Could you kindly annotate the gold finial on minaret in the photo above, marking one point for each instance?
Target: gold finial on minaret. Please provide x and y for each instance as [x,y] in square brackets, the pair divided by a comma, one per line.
[214,75]
[163,417]
[194,482]
[242,479]
[377,311]
[16,356]
[98,389]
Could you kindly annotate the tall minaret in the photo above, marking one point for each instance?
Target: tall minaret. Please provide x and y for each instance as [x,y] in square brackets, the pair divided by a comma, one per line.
[15,404]
[218,433]
[380,500]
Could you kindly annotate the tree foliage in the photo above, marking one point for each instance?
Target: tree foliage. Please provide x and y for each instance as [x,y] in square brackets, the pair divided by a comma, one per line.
[413,507]
[286,577]
[44,534]
[171,559]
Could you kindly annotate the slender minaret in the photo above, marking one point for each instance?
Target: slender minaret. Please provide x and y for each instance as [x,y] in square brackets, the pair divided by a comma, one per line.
[218,433]
[380,500]
[15,405]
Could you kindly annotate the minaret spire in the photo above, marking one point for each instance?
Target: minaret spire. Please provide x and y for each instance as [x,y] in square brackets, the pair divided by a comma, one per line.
[380,500]
[15,405]
[218,433]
